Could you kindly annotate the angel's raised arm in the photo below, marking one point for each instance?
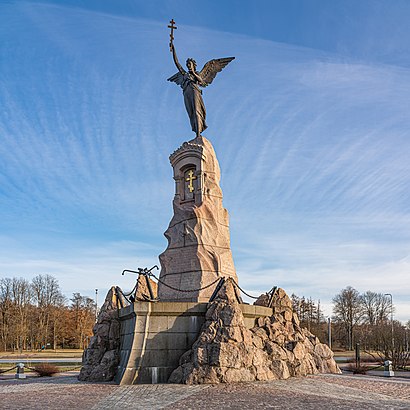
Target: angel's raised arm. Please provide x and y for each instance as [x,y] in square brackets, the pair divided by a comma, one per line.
[174,55]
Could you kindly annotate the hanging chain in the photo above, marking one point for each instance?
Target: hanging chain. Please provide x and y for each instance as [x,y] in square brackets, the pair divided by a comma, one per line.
[7,370]
[247,294]
[184,290]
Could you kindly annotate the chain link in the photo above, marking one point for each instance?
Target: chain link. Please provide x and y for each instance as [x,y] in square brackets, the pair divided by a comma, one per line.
[133,289]
[205,287]
[34,369]
[247,294]
[7,370]
[185,290]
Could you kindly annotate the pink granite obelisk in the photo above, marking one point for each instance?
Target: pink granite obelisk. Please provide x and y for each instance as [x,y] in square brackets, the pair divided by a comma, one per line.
[198,251]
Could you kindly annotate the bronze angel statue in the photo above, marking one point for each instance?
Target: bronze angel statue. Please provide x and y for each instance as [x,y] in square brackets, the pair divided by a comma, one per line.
[191,81]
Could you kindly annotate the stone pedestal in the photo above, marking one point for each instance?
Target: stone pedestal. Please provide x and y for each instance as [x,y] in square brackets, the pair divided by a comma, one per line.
[155,335]
[198,251]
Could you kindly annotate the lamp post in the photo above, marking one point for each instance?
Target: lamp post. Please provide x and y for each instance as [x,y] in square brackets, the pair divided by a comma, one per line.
[329,332]
[96,303]
[391,318]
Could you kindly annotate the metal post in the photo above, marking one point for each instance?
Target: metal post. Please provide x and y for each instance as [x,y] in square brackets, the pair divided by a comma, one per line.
[329,332]
[357,355]
[388,368]
[20,371]
[391,318]
[96,304]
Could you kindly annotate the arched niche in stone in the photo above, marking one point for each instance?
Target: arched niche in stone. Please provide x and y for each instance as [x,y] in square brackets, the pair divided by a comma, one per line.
[187,163]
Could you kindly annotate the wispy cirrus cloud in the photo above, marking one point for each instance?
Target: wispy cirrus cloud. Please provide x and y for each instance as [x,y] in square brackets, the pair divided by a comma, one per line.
[313,149]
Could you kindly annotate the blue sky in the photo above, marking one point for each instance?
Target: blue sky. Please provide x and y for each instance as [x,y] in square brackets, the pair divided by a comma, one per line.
[310,124]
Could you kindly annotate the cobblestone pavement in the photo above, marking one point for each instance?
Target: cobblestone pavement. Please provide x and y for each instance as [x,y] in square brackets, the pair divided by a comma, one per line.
[149,396]
[313,392]
[57,393]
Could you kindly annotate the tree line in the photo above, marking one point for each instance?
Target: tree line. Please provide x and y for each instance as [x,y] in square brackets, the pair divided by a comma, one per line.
[364,318]
[35,315]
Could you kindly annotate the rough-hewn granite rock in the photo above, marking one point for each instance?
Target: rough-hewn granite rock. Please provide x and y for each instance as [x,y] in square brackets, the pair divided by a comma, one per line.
[101,358]
[142,291]
[276,348]
[198,249]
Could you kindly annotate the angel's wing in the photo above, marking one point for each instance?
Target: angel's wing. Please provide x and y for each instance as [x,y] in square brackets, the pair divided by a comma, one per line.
[212,67]
[177,78]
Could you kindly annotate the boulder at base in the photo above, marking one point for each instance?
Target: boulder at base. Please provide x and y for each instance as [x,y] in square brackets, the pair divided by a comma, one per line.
[275,348]
[101,358]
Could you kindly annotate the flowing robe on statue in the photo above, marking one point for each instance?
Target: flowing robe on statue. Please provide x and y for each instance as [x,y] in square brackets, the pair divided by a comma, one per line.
[190,82]
[194,103]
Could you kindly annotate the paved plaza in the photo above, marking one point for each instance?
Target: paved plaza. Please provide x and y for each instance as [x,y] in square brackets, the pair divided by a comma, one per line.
[312,392]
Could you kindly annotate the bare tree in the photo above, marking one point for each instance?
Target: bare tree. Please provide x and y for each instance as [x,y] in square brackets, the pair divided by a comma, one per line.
[6,312]
[310,315]
[36,314]
[376,311]
[83,309]
[347,311]
[376,308]
[47,296]
[21,292]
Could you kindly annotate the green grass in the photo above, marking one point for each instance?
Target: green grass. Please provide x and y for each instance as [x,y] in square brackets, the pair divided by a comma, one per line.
[59,353]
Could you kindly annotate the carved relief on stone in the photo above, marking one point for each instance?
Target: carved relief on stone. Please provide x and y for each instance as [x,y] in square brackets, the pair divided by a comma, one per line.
[190,184]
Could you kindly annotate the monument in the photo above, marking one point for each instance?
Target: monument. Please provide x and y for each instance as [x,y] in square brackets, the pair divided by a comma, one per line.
[194,327]
[198,252]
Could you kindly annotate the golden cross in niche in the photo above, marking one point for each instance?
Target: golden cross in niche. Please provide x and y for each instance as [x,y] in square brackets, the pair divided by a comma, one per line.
[190,179]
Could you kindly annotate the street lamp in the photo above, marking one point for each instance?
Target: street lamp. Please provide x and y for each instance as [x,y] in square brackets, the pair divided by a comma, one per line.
[391,318]
[96,303]
[329,331]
